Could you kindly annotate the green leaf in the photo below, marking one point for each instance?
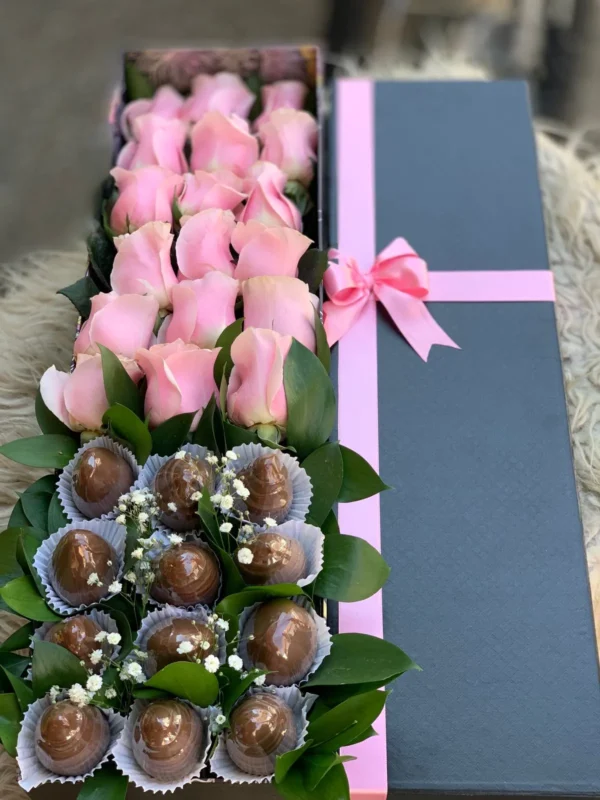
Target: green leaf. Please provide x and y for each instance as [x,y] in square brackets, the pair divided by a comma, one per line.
[235,686]
[352,569]
[80,294]
[299,195]
[119,387]
[206,512]
[232,580]
[325,469]
[317,765]
[285,762]
[126,425]
[187,680]
[171,434]
[310,400]
[235,435]
[311,268]
[19,640]
[226,339]
[26,549]
[35,501]
[334,785]
[101,253]
[137,85]
[14,663]
[53,665]
[342,724]
[105,784]
[23,598]
[47,421]
[360,479]
[57,518]
[205,434]
[10,722]
[50,451]
[323,351]
[140,693]
[17,518]
[21,689]
[358,663]
[234,604]
[124,629]
[330,525]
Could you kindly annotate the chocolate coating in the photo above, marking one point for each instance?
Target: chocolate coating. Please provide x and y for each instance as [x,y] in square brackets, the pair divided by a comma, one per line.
[262,727]
[78,555]
[270,488]
[162,645]
[186,575]
[70,740]
[167,740]
[175,482]
[100,477]
[276,559]
[285,641]
[77,634]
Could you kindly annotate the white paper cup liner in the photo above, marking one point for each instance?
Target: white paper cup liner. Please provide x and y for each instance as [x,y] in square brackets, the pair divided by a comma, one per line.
[155,620]
[154,463]
[311,539]
[125,760]
[222,765]
[301,483]
[323,636]
[114,534]
[101,618]
[65,480]
[32,772]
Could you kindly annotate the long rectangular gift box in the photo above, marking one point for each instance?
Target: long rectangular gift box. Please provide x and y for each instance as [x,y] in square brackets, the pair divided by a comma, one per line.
[488,590]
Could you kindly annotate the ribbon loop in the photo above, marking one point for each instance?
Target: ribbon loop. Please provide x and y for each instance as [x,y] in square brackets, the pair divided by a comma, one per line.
[399,280]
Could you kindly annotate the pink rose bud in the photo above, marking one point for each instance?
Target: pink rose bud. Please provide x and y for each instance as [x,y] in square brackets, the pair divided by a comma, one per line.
[203,243]
[268,204]
[282,304]
[223,92]
[202,309]
[158,141]
[143,263]
[255,395]
[166,103]
[289,140]
[220,142]
[145,195]
[204,190]
[180,380]
[78,398]
[123,323]
[282,94]
[267,251]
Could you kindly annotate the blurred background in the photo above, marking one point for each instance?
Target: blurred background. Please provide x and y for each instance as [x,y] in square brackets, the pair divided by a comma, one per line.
[62,60]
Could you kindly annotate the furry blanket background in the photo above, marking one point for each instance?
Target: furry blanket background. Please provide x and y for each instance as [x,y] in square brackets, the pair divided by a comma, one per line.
[37,329]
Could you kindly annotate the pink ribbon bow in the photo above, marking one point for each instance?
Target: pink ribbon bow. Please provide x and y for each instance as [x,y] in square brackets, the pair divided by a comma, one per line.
[399,280]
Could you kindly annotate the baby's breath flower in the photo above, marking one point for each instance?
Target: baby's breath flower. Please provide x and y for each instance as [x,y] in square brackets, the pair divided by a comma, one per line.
[196,497]
[138,499]
[211,663]
[223,459]
[94,683]
[113,638]
[220,719]
[172,507]
[235,662]
[110,693]
[142,517]
[122,507]
[144,566]
[270,522]
[96,656]
[245,555]
[212,459]
[139,654]
[226,502]
[180,454]
[225,527]
[174,538]
[243,493]
[100,636]
[137,553]
[231,455]
[228,473]
[115,587]
[130,576]
[185,647]
[78,695]
[94,580]
[54,692]
[205,645]
[260,680]
[133,672]
[215,499]
[222,624]
[247,529]
[121,519]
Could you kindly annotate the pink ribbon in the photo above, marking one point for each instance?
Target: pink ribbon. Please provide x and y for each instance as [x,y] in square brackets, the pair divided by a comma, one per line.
[399,281]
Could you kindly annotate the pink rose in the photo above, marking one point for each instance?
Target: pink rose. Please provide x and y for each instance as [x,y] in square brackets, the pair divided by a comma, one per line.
[143,263]
[145,195]
[289,140]
[268,204]
[158,141]
[166,103]
[180,379]
[223,92]
[202,309]
[282,94]
[255,395]
[78,398]
[123,323]
[220,142]
[267,251]
[282,304]
[204,190]
[203,243]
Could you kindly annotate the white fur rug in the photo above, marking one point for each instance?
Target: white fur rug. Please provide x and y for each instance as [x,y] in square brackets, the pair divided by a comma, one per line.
[37,329]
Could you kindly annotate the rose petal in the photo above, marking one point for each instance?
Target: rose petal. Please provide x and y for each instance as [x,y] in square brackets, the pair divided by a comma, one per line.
[203,244]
